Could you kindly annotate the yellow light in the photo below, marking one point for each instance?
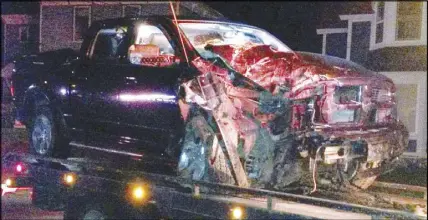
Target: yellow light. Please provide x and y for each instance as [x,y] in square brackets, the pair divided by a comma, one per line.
[8,182]
[69,178]
[138,193]
[237,213]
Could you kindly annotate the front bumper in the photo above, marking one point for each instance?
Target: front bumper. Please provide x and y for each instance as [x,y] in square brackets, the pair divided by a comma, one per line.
[383,144]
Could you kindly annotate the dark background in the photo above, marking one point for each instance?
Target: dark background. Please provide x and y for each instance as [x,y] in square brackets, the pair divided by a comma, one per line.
[294,23]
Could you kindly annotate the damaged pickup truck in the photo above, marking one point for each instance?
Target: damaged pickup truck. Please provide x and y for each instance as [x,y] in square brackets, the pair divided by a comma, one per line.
[215,101]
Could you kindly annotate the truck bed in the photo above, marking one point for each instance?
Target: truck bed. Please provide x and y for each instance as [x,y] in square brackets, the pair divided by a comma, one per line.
[176,201]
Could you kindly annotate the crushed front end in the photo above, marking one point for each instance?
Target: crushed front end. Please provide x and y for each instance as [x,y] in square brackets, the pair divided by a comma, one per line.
[351,124]
[279,117]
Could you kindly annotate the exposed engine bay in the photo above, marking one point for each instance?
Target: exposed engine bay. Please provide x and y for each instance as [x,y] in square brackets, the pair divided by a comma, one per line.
[278,116]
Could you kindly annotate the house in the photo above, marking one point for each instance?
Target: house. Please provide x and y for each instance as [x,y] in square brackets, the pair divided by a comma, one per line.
[391,39]
[62,23]
[19,35]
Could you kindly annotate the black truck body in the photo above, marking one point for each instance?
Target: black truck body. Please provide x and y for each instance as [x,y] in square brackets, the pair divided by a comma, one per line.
[82,95]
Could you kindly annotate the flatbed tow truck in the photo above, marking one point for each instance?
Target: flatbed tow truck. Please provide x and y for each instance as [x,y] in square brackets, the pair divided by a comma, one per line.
[88,189]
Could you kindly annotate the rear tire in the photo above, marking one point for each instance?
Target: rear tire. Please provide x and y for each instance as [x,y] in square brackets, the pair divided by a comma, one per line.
[43,135]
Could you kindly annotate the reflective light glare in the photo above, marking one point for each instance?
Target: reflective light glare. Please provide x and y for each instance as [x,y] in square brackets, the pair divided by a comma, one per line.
[19,168]
[63,91]
[138,192]
[69,178]
[146,98]
[8,182]
[237,213]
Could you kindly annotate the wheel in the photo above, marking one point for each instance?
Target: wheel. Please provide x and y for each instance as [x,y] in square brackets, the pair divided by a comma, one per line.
[83,208]
[43,135]
[202,157]
[90,211]
[94,214]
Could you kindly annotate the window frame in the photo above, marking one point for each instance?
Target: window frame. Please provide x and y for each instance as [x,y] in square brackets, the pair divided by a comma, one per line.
[174,46]
[377,22]
[420,132]
[390,26]
[27,33]
[92,44]
[74,21]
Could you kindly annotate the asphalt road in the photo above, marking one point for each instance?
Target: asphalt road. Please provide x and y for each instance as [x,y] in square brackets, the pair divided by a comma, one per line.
[18,206]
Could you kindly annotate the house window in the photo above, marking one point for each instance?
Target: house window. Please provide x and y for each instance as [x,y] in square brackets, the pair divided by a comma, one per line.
[409,20]
[81,22]
[24,34]
[410,90]
[380,15]
[131,10]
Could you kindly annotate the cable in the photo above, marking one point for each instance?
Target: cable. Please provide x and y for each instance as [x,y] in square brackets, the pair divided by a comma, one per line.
[179,32]
[313,177]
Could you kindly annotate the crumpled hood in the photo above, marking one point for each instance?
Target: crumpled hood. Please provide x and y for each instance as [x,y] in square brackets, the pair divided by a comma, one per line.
[270,68]
[337,67]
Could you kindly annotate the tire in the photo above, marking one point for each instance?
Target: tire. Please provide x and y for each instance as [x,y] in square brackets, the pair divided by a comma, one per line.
[43,135]
[202,156]
[89,211]
[107,208]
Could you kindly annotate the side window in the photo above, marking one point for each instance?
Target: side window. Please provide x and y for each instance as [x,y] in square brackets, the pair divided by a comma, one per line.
[110,45]
[151,47]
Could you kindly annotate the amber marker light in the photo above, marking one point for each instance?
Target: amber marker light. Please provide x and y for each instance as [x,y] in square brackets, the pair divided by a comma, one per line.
[70,179]
[8,182]
[138,193]
[237,213]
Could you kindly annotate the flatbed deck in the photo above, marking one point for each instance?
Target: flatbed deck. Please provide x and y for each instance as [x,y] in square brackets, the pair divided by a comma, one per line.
[172,199]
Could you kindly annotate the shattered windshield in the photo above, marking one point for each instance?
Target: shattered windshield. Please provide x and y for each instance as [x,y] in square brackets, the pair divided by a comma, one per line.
[202,34]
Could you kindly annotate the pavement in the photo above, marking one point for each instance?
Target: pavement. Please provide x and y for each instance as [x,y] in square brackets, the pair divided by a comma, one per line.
[18,206]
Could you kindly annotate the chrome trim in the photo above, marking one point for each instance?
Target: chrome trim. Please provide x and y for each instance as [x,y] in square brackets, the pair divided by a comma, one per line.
[104,149]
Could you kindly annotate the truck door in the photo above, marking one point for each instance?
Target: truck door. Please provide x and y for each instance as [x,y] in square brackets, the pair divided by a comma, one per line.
[126,95]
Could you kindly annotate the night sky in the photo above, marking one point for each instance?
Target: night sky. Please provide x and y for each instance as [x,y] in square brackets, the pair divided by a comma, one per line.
[294,23]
